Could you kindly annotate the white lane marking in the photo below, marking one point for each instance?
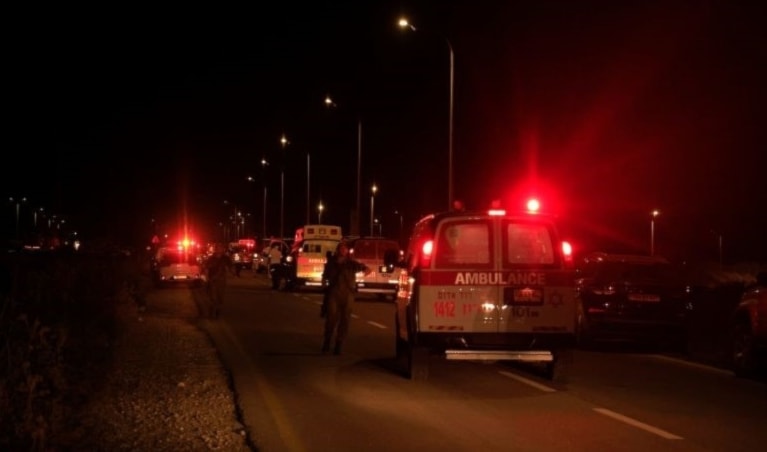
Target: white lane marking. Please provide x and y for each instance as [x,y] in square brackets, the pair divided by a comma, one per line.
[637,424]
[692,364]
[524,380]
[377,325]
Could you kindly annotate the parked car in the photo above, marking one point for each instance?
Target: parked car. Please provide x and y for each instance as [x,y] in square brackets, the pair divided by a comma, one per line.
[177,265]
[242,257]
[383,256]
[631,298]
[749,330]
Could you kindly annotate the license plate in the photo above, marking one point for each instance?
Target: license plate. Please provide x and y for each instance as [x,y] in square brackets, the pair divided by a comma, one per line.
[644,297]
[529,296]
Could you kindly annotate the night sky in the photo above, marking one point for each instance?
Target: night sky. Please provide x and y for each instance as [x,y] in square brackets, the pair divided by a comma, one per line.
[121,115]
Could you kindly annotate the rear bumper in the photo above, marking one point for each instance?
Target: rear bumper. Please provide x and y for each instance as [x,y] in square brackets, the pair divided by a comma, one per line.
[497,346]
[384,288]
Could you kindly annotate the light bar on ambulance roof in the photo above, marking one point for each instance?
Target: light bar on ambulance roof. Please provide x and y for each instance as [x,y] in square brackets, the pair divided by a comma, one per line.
[495,209]
[533,205]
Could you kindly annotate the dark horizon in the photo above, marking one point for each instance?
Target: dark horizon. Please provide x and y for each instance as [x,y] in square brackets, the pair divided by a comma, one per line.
[605,111]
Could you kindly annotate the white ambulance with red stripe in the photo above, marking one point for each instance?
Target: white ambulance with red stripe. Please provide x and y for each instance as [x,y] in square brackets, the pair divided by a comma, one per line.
[486,286]
[310,249]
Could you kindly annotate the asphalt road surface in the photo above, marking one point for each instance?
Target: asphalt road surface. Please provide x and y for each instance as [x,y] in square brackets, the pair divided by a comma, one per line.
[293,398]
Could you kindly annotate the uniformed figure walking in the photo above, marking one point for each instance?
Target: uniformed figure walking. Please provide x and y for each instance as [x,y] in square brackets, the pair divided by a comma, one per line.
[342,287]
[217,266]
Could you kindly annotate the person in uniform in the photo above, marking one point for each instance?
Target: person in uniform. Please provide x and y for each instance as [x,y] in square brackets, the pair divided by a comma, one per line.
[217,267]
[342,288]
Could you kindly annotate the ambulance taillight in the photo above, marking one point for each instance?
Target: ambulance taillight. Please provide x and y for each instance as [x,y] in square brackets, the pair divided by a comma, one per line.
[426,252]
[567,253]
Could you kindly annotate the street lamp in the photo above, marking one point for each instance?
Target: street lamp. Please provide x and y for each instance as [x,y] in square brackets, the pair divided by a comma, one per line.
[373,191]
[653,214]
[401,223]
[329,103]
[307,188]
[320,208]
[264,164]
[403,23]
[18,202]
[283,142]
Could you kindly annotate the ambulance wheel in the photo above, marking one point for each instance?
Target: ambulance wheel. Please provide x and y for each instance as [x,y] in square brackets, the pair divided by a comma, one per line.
[418,363]
[557,369]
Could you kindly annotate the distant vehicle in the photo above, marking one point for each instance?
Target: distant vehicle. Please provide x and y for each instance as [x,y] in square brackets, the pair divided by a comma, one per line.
[383,256]
[261,258]
[486,286]
[749,330]
[177,265]
[634,298]
[306,261]
[242,256]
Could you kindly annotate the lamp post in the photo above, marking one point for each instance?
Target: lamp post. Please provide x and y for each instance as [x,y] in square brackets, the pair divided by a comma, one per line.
[284,143]
[373,191]
[18,202]
[329,103]
[401,223]
[403,23]
[307,187]
[264,164]
[653,214]
[320,208]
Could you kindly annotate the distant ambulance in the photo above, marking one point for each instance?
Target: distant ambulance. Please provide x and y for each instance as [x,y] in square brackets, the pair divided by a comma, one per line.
[309,254]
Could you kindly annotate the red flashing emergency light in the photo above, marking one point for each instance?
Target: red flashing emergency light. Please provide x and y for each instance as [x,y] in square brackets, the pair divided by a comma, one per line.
[533,205]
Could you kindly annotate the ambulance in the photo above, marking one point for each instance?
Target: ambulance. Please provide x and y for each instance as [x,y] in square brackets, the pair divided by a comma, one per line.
[486,286]
[309,254]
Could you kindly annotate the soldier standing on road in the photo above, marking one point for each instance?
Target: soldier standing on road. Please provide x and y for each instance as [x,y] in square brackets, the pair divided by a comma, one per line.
[342,288]
[217,266]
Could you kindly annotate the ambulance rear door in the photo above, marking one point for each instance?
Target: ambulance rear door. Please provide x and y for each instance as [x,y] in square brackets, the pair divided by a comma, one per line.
[460,290]
[538,294]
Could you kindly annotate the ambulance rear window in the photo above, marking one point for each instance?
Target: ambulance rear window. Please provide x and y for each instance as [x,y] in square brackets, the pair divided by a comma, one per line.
[312,248]
[528,243]
[464,244]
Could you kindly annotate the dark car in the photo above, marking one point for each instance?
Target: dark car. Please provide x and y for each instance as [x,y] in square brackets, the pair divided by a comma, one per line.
[242,257]
[631,298]
[749,330]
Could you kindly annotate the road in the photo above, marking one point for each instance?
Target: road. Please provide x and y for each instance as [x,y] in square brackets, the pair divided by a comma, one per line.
[293,398]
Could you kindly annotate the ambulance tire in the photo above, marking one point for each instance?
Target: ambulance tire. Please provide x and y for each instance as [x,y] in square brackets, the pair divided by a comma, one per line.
[400,345]
[418,363]
[558,369]
[583,335]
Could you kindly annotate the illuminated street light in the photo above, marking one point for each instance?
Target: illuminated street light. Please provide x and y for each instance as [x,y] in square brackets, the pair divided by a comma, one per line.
[329,103]
[320,208]
[653,214]
[284,143]
[403,23]
[18,202]
[373,191]
[264,164]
